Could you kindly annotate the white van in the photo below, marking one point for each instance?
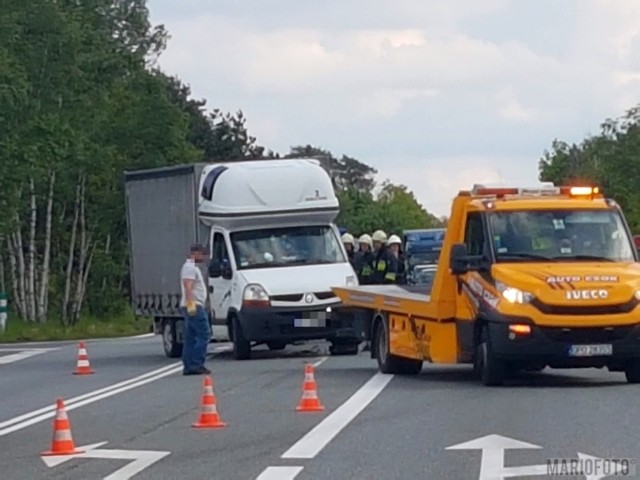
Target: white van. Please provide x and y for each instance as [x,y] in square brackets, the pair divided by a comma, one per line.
[275,254]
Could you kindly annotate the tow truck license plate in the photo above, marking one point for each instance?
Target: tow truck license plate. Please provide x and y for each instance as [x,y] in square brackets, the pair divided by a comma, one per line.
[590,350]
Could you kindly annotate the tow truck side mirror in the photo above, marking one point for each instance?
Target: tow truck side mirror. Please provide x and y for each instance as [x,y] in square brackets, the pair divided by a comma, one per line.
[459,259]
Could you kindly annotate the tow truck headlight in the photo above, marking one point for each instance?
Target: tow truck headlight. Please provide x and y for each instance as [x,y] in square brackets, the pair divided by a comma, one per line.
[255,295]
[514,295]
[351,281]
[637,294]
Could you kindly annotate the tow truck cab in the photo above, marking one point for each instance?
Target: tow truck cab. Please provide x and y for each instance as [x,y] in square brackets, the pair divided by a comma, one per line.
[527,278]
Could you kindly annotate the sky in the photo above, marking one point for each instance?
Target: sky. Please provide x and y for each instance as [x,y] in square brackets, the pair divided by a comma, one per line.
[434,95]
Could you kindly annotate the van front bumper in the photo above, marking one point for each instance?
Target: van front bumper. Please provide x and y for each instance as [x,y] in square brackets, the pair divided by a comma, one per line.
[552,346]
[264,324]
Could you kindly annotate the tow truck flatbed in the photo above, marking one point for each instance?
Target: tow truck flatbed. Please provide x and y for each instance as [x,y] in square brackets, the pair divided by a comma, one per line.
[391,298]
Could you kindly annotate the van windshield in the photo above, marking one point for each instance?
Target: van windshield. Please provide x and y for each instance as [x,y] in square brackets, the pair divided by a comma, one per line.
[560,235]
[286,246]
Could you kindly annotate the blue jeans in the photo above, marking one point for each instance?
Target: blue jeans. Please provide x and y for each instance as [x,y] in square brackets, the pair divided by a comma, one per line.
[197,333]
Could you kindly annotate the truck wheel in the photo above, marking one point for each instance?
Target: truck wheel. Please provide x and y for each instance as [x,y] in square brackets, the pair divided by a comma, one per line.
[275,346]
[491,369]
[172,348]
[388,363]
[632,372]
[241,347]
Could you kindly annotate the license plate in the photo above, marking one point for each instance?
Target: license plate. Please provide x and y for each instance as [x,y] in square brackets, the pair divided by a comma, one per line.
[309,322]
[590,350]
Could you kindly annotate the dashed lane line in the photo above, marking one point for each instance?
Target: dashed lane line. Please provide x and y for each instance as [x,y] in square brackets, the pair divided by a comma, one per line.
[319,437]
[280,473]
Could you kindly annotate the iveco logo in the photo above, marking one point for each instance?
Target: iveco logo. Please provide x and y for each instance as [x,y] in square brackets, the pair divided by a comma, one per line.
[308,298]
[587,294]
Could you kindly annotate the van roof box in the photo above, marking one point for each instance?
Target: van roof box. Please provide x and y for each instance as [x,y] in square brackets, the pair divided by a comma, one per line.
[255,193]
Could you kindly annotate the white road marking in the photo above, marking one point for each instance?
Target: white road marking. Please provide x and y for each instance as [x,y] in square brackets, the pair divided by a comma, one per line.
[313,442]
[142,459]
[45,413]
[22,354]
[144,335]
[52,408]
[280,473]
[320,362]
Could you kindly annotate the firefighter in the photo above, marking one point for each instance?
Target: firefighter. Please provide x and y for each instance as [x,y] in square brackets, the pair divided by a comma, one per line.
[364,260]
[396,271]
[349,245]
[383,270]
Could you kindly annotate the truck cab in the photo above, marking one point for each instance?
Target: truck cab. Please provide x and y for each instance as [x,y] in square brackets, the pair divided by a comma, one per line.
[527,278]
[275,252]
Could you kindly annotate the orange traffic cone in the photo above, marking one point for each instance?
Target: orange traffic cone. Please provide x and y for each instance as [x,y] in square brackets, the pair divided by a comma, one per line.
[83,367]
[209,417]
[62,443]
[309,401]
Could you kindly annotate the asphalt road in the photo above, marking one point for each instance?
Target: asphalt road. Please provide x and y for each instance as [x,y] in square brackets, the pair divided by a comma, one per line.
[374,426]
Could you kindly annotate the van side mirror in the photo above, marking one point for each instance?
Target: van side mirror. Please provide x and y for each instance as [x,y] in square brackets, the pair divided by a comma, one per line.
[214,269]
[460,262]
[225,269]
[220,269]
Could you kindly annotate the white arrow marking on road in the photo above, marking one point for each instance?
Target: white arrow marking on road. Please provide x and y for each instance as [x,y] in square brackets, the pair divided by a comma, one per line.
[142,459]
[493,447]
[492,466]
[599,461]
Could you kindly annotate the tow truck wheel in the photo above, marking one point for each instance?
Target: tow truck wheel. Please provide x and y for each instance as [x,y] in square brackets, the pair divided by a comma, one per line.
[492,371]
[241,347]
[388,363]
[632,372]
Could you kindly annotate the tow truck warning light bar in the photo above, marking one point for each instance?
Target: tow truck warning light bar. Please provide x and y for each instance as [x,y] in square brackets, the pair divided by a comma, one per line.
[575,191]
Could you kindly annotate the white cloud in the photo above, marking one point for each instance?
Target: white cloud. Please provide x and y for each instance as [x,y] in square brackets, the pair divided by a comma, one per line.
[510,107]
[413,81]
[435,184]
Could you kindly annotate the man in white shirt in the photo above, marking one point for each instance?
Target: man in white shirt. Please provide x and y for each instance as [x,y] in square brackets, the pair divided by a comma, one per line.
[197,332]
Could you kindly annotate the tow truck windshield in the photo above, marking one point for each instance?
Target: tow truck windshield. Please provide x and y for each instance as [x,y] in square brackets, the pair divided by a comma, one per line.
[286,246]
[560,235]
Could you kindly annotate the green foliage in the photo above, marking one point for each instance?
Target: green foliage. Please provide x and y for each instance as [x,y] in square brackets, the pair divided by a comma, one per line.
[121,325]
[610,160]
[394,209]
[81,101]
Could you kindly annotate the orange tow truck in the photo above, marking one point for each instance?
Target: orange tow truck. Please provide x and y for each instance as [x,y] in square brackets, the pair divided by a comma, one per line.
[527,278]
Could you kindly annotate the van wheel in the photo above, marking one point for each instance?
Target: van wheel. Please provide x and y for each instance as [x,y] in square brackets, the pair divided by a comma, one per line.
[632,372]
[241,347]
[388,363]
[172,348]
[492,370]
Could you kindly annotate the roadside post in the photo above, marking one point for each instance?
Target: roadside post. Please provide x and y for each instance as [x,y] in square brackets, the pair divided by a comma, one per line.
[3,311]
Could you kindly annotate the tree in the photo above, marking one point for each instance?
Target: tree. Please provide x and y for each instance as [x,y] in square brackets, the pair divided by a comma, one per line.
[610,160]
[395,208]
[345,172]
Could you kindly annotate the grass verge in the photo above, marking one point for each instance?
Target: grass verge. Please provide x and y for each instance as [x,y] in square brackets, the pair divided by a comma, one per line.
[87,328]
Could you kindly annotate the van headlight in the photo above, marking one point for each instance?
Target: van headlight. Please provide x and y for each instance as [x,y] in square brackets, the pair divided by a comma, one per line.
[255,295]
[514,295]
[351,281]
